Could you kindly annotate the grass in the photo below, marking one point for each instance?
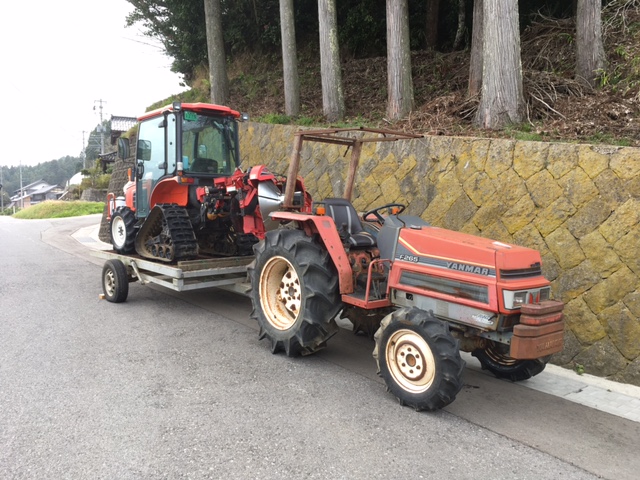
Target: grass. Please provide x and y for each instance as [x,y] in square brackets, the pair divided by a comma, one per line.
[59,209]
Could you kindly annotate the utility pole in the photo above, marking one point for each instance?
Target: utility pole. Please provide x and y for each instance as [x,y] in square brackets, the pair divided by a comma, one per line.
[21,191]
[83,153]
[100,102]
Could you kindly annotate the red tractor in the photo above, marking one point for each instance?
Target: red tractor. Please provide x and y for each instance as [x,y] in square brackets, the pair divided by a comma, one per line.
[424,293]
[187,196]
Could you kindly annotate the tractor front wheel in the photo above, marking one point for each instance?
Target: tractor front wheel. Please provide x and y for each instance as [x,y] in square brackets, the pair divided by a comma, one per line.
[495,358]
[418,359]
[123,232]
[294,291]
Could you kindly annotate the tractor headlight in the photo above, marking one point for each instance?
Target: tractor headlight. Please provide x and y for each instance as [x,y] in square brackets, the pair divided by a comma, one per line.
[514,300]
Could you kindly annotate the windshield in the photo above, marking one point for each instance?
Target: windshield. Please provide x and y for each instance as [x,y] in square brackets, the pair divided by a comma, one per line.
[209,144]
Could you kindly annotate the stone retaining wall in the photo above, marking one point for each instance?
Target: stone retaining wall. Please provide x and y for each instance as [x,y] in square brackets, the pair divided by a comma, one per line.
[579,205]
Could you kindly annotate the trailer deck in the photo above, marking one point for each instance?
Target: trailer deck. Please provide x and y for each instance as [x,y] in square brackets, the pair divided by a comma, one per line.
[229,273]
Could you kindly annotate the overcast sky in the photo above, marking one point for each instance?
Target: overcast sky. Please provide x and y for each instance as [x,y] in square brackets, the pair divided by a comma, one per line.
[57,58]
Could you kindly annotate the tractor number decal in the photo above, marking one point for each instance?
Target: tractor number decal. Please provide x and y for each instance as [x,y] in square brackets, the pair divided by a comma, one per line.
[409,258]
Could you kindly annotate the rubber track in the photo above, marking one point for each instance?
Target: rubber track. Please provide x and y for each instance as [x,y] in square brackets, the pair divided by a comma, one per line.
[180,233]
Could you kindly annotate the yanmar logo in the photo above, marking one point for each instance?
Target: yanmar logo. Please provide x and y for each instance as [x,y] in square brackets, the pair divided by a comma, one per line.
[461,267]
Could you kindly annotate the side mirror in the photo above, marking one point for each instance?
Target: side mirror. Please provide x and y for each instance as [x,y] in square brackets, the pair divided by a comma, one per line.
[123,148]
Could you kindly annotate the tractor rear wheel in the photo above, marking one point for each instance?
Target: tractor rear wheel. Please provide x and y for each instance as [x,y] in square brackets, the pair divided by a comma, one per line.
[123,232]
[495,358]
[418,359]
[115,281]
[294,291]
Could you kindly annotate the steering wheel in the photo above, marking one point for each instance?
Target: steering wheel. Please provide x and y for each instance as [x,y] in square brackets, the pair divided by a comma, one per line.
[378,216]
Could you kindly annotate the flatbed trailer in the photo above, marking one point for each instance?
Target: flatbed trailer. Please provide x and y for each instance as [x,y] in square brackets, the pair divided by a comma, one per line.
[119,270]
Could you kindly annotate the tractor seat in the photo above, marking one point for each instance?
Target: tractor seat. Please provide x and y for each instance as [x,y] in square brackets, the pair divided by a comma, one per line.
[204,165]
[345,216]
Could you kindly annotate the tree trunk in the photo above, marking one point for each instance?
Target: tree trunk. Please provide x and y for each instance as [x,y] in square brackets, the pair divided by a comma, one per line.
[590,56]
[332,94]
[502,100]
[399,81]
[215,50]
[475,66]
[462,18]
[289,59]
[431,33]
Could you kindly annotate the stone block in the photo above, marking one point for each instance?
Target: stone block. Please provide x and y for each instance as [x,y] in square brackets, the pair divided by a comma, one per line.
[520,215]
[406,167]
[575,281]
[592,160]
[632,187]
[385,169]
[565,248]
[553,216]
[628,248]
[390,189]
[510,187]
[632,302]
[368,193]
[324,186]
[464,157]
[551,270]
[543,189]
[623,329]
[497,231]
[589,217]
[630,375]
[571,348]
[528,236]
[602,359]
[583,322]
[460,213]
[611,290]
[480,188]
[601,253]
[578,187]
[530,158]
[488,214]
[626,163]
[561,159]
[621,221]
[471,229]
[499,157]
[479,152]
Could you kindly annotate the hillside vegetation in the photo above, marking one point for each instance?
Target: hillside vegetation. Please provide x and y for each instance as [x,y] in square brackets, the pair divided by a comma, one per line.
[558,107]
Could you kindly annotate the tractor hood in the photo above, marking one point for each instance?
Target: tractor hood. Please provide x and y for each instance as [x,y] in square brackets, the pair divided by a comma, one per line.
[461,252]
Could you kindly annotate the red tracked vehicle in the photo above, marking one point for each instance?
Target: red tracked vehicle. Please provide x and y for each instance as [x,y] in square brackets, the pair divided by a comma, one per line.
[424,293]
[187,196]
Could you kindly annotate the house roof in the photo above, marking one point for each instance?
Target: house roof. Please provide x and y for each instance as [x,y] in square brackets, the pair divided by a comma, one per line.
[31,186]
[122,124]
[28,192]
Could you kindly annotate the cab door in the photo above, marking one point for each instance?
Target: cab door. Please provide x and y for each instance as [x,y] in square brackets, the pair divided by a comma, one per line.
[151,161]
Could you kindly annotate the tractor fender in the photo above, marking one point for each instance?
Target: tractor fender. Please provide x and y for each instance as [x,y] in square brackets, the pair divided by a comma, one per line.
[325,227]
[168,191]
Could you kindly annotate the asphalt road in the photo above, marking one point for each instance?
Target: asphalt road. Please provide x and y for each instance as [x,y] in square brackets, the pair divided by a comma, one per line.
[170,385]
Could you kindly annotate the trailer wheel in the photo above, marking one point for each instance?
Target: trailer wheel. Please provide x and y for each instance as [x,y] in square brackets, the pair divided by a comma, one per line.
[418,359]
[294,291]
[495,358]
[123,232]
[115,281]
